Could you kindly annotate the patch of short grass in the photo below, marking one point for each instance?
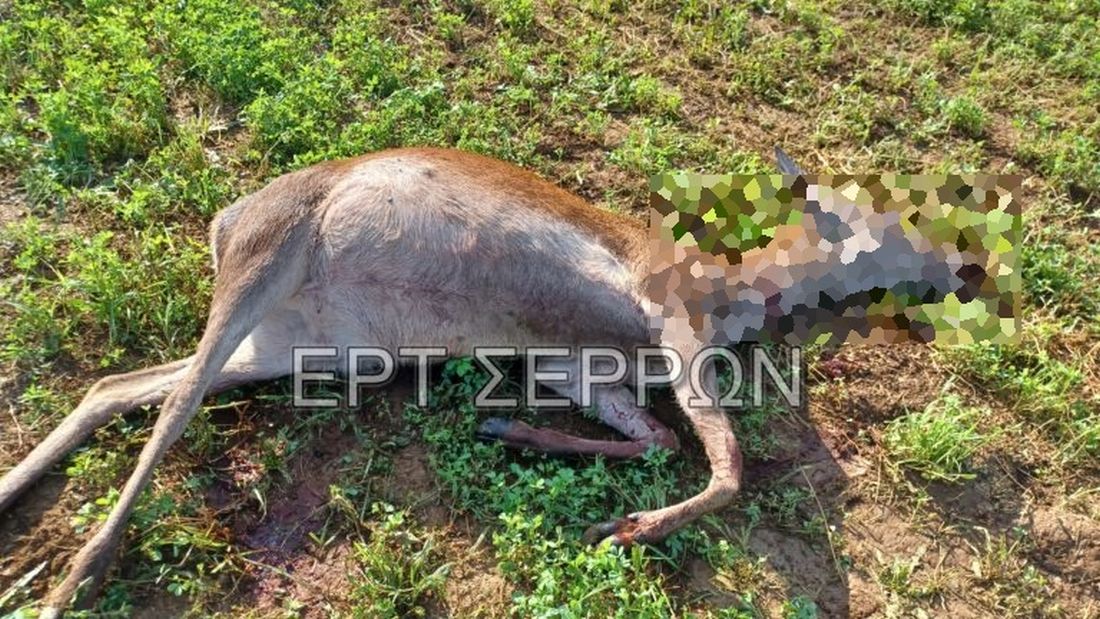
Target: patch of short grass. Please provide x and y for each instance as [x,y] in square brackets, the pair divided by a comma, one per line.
[567,579]
[1058,276]
[1011,583]
[1053,33]
[938,442]
[399,570]
[141,293]
[1049,394]
[94,83]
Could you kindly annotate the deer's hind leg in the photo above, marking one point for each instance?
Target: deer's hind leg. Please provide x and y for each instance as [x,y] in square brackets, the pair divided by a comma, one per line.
[119,394]
[615,406]
[713,428]
[110,396]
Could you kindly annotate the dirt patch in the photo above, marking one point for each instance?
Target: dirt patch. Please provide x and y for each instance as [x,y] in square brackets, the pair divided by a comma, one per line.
[161,605]
[993,500]
[840,463]
[1068,546]
[295,511]
[13,202]
[410,479]
[873,384]
[283,568]
[315,583]
[874,533]
[412,483]
[700,577]
[36,530]
[289,569]
[802,569]
[476,588]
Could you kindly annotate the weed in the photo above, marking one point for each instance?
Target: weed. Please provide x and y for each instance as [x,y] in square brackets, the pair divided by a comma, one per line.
[519,17]
[1015,586]
[41,403]
[1056,275]
[399,571]
[939,441]
[800,607]
[572,580]
[965,116]
[712,32]
[735,570]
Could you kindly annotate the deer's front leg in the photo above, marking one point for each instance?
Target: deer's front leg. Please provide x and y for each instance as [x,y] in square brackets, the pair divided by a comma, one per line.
[713,428]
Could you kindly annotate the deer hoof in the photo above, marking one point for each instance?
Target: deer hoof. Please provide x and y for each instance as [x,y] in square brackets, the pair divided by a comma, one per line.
[494,429]
[618,532]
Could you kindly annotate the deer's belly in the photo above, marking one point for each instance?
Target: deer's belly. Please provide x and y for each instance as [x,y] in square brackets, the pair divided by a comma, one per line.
[394,316]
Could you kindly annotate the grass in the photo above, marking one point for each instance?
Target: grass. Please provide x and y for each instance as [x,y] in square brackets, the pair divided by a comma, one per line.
[135,291]
[398,570]
[125,126]
[570,580]
[938,442]
[1006,574]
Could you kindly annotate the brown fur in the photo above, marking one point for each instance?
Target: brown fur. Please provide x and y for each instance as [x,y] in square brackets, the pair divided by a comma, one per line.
[624,235]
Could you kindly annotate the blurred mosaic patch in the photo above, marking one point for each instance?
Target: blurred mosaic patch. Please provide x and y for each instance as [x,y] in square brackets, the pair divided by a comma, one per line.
[876,258]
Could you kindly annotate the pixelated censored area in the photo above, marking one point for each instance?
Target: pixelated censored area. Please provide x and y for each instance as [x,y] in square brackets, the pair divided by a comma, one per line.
[877,258]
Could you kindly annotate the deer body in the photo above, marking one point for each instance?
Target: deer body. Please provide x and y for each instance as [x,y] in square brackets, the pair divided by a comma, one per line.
[429,247]
[416,247]
[422,247]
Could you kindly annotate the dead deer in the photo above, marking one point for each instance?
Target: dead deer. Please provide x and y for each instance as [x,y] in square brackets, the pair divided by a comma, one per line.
[415,246]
